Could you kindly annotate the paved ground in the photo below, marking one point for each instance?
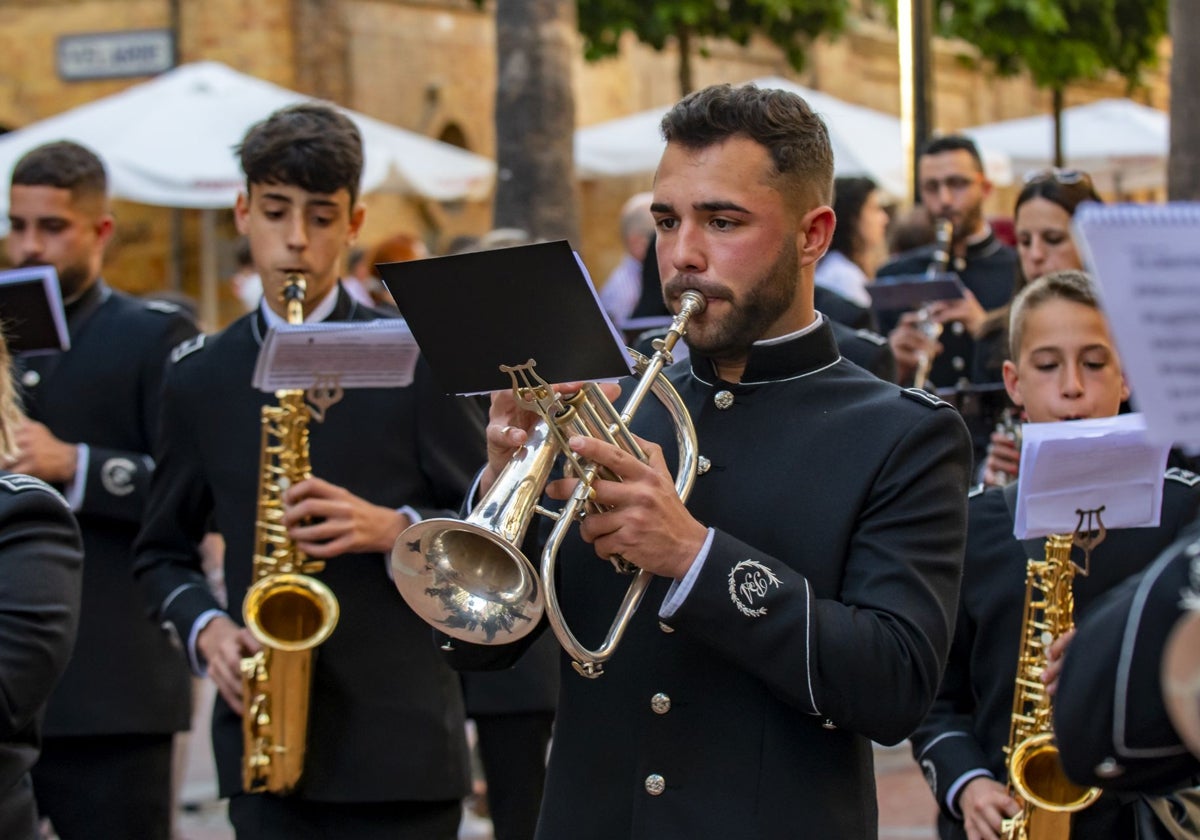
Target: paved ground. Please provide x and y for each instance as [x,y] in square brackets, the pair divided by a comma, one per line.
[906,808]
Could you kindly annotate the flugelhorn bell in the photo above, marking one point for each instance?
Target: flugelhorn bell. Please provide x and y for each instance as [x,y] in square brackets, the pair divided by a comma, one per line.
[470,579]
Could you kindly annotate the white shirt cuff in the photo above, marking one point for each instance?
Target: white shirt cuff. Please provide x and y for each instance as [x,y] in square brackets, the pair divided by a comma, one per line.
[413,519]
[74,489]
[959,783]
[680,589]
[198,667]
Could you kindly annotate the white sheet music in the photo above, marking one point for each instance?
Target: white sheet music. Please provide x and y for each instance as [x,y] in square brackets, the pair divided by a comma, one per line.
[1146,261]
[349,354]
[1107,462]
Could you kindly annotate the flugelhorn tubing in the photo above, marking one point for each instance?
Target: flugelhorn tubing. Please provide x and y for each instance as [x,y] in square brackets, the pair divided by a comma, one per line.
[588,662]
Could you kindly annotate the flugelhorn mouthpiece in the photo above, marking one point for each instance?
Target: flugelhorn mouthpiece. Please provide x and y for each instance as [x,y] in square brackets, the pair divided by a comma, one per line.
[692,302]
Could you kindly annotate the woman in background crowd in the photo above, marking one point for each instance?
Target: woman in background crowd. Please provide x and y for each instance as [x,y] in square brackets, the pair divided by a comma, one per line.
[859,246]
[1042,221]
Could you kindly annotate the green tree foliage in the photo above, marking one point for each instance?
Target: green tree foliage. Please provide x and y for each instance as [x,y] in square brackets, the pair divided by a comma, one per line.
[1058,41]
[790,24]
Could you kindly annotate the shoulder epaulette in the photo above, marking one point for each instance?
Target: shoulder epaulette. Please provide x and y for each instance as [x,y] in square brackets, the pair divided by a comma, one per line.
[163,306]
[187,347]
[17,483]
[873,337]
[925,398]
[1182,476]
[977,490]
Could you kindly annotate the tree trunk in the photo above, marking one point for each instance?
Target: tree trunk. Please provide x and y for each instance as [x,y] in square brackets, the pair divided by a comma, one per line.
[684,38]
[1057,98]
[535,119]
[1183,167]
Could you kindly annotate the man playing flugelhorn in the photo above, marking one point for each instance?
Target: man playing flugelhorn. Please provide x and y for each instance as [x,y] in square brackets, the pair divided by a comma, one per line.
[803,597]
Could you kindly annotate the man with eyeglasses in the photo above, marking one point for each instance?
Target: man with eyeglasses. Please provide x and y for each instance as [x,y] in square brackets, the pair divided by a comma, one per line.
[953,187]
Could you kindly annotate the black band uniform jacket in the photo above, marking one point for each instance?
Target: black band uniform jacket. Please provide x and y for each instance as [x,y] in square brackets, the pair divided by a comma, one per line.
[818,623]
[41,575]
[386,716]
[126,675]
[969,723]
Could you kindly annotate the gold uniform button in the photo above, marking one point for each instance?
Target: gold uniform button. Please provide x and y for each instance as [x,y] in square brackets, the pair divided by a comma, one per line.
[723,399]
[666,628]
[30,378]
[703,465]
[655,784]
[660,703]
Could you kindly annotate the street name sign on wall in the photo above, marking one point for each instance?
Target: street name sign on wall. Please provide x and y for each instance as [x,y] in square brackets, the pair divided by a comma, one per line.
[112,55]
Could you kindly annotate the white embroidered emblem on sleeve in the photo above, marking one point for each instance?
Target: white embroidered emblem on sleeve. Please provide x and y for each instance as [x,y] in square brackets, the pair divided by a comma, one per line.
[117,476]
[749,583]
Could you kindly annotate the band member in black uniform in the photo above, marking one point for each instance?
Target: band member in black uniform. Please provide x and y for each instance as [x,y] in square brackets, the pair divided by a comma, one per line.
[801,607]
[953,186]
[386,751]
[1064,367]
[105,769]
[41,576]
[1110,712]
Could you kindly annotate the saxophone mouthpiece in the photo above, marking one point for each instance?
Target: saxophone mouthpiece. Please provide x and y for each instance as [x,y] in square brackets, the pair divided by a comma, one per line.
[295,286]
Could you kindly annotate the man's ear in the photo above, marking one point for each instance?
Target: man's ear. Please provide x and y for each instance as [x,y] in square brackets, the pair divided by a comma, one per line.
[105,227]
[815,234]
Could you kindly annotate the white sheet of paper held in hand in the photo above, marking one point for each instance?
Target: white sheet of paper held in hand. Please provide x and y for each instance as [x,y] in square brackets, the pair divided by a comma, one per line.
[1146,261]
[348,354]
[1075,465]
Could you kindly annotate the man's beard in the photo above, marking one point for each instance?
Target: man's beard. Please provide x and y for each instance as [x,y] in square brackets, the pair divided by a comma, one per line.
[969,225]
[72,279]
[750,316]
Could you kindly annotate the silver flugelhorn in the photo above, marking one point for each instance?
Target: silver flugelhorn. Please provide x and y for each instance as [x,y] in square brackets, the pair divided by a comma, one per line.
[470,579]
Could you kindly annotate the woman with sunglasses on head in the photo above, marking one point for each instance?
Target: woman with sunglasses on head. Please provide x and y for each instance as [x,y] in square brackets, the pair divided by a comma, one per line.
[1042,222]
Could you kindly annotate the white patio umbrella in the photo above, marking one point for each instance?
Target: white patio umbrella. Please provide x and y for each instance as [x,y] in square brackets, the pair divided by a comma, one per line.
[170,142]
[1121,143]
[865,141]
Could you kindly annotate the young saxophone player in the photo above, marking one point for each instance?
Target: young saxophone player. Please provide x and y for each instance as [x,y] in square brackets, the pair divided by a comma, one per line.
[1064,367]
[386,753]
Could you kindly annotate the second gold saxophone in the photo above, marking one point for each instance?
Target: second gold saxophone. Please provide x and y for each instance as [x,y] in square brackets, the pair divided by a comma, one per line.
[286,609]
[1034,769]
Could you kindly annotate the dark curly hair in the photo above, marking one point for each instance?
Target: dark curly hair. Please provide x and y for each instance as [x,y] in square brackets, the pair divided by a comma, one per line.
[781,122]
[310,145]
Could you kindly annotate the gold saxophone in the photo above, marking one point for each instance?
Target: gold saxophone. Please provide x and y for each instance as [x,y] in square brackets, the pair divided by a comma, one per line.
[1034,769]
[288,611]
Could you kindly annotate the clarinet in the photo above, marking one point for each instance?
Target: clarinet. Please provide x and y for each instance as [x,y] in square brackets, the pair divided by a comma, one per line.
[939,264]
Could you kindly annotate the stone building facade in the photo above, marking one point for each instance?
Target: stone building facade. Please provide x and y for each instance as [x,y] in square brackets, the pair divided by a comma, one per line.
[429,66]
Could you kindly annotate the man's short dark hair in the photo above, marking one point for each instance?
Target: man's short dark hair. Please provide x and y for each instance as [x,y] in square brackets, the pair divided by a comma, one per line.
[311,146]
[953,143]
[64,165]
[781,122]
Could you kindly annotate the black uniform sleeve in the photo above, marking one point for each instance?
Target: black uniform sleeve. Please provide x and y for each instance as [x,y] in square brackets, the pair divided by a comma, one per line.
[117,480]
[944,745]
[450,444]
[870,660]
[1109,716]
[41,572]
[167,563]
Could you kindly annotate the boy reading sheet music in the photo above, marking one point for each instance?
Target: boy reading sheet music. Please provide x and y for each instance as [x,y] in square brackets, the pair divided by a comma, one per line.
[1064,367]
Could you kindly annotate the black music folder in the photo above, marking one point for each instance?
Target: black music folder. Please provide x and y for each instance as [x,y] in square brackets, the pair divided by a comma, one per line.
[31,310]
[907,292]
[471,313]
